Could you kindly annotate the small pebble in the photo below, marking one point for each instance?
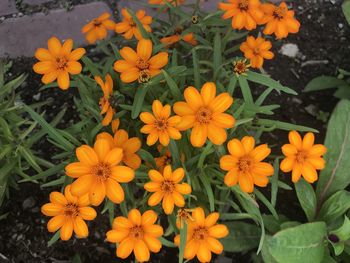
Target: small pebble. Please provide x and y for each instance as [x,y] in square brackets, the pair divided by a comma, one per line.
[289,50]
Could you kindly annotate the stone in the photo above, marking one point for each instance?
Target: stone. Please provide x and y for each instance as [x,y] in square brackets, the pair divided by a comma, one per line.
[22,36]
[289,50]
[28,203]
[7,7]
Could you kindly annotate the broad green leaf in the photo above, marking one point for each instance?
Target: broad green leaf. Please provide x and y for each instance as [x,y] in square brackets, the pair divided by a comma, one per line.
[343,232]
[346,10]
[324,82]
[265,253]
[335,176]
[335,206]
[242,237]
[307,198]
[303,243]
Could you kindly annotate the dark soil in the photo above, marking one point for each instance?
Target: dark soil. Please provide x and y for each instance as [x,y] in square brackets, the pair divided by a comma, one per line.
[324,36]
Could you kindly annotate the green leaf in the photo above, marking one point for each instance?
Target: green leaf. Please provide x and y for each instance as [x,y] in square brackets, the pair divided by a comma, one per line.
[54,239]
[284,125]
[13,84]
[335,176]
[269,82]
[247,95]
[166,242]
[183,238]
[30,158]
[91,66]
[242,237]
[174,89]
[138,101]
[335,206]
[343,232]
[207,186]
[307,198]
[346,10]
[303,243]
[52,132]
[217,54]
[197,76]
[324,82]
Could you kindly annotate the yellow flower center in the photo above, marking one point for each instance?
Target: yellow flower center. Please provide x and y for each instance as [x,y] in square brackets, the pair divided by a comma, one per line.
[144,76]
[168,186]
[161,124]
[244,164]
[204,115]
[61,63]
[280,12]
[137,232]
[200,233]
[239,67]
[142,64]
[71,210]
[243,5]
[301,157]
[102,171]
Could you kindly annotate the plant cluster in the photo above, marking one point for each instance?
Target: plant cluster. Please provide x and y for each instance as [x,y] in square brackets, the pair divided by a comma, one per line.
[171,125]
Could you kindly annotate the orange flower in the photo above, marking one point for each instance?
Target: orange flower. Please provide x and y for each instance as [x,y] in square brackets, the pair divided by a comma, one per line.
[130,146]
[165,158]
[167,187]
[105,105]
[162,2]
[257,49]
[204,112]
[245,13]
[69,213]
[279,20]
[160,125]
[128,26]
[244,164]
[98,172]
[96,29]
[171,40]
[303,157]
[58,62]
[202,236]
[140,65]
[137,233]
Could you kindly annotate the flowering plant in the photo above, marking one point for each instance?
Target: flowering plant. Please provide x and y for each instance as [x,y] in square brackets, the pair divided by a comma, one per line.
[171,123]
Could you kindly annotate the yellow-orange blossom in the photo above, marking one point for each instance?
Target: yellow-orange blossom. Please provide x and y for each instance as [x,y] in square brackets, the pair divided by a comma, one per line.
[202,236]
[140,65]
[204,113]
[137,233]
[58,62]
[303,157]
[167,187]
[98,172]
[245,164]
[68,214]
